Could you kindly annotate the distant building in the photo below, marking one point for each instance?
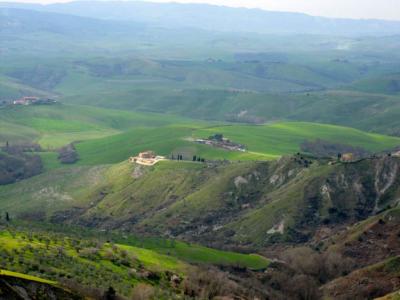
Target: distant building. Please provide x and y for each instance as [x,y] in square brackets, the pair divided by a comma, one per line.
[147,154]
[147,158]
[29,100]
[218,140]
[396,154]
[26,100]
[347,157]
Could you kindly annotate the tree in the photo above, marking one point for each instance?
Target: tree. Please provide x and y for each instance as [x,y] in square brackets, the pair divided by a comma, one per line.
[110,294]
[194,157]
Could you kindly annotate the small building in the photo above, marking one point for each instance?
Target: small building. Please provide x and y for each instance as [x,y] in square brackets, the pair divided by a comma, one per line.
[31,100]
[26,100]
[147,155]
[396,154]
[147,158]
[347,157]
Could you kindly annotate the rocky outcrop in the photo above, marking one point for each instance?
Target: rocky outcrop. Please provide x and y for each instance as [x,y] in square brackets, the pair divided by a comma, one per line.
[14,288]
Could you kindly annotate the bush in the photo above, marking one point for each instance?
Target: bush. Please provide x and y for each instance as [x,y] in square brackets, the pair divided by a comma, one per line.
[208,284]
[68,154]
[18,166]
[143,292]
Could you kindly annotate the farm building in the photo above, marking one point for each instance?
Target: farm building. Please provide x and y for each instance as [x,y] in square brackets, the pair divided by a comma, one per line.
[347,157]
[33,100]
[147,158]
[25,100]
[396,154]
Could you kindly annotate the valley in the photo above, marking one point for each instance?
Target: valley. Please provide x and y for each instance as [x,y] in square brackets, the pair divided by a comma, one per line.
[193,151]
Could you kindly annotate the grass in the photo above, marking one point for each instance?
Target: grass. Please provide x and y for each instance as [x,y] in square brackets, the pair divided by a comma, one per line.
[56,256]
[264,142]
[198,254]
[26,277]
[57,125]
[110,136]
[149,258]
[286,137]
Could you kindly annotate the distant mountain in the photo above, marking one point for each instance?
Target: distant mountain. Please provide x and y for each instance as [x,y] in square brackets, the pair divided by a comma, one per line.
[25,21]
[218,18]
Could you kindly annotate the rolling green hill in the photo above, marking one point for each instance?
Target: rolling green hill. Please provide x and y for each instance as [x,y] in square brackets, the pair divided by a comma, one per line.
[388,84]
[111,136]
[53,126]
[340,107]
[264,142]
[246,203]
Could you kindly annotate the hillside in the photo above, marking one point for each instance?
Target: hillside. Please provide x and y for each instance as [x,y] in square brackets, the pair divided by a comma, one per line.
[204,203]
[191,72]
[377,280]
[104,136]
[19,286]
[263,142]
[332,227]
[69,263]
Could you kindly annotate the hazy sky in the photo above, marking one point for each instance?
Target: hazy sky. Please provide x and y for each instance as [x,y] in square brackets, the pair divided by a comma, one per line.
[381,9]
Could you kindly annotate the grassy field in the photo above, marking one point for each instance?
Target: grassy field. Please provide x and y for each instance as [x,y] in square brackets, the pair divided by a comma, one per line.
[264,142]
[57,125]
[25,276]
[193,253]
[286,137]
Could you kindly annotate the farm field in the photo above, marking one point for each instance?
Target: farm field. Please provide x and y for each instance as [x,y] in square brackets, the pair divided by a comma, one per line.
[104,136]
[264,142]
[57,125]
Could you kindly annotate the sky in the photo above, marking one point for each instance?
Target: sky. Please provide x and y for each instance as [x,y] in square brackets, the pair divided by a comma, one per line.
[358,9]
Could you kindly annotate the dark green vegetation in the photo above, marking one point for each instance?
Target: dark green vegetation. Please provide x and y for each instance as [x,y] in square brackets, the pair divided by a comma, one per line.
[75,212]
[18,162]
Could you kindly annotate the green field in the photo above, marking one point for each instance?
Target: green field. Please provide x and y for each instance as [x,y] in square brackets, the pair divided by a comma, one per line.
[264,142]
[25,276]
[57,125]
[107,136]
